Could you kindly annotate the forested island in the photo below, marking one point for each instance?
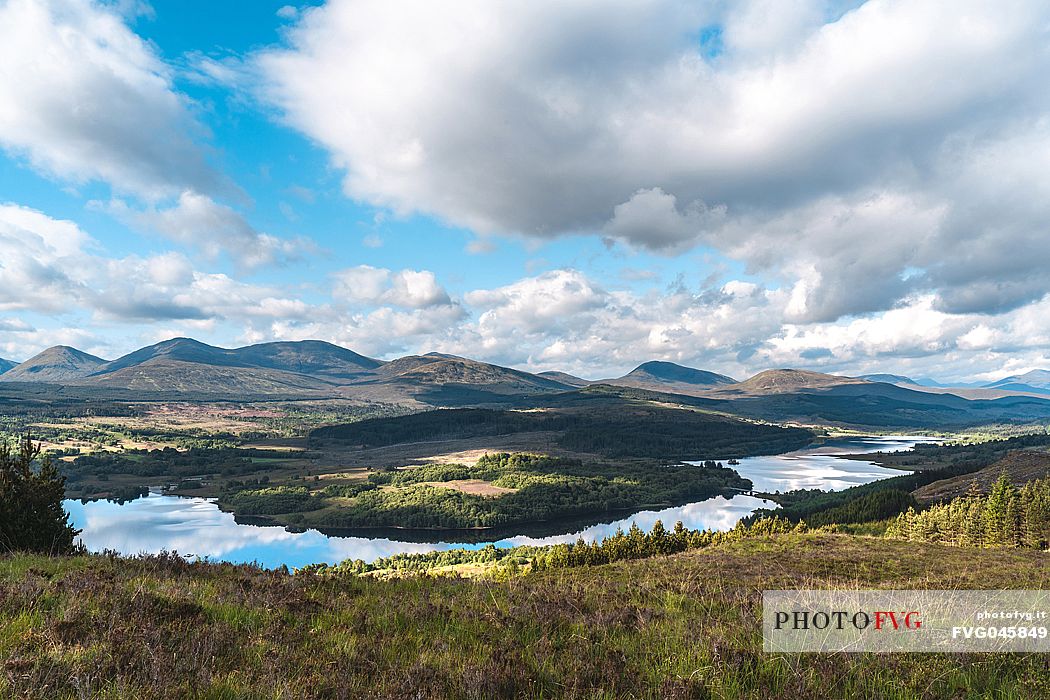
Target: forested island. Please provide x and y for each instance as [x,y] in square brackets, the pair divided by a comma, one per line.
[497,491]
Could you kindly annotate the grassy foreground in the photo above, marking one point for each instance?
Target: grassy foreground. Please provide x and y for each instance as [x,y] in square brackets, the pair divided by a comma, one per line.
[682,626]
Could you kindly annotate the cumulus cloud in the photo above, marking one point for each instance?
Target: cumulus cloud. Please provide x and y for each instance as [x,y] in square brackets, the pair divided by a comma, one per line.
[202,223]
[562,319]
[565,320]
[82,97]
[365,284]
[52,266]
[842,131]
[41,260]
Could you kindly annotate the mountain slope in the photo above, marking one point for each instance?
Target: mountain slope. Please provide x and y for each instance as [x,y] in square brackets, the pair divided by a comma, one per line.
[887,378]
[174,350]
[187,365]
[784,381]
[6,365]
[448,380]
[565,378]
[875,404]
[54,365]
[667,376]
[315,358]
[1038,380]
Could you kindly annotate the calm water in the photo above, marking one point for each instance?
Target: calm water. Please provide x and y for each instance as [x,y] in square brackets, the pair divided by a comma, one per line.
[195,526]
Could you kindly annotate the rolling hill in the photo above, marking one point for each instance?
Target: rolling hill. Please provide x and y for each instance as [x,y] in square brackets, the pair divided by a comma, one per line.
[312,357]
[187,365]
[667,376]
[57,365]
[439,379]
[786,381]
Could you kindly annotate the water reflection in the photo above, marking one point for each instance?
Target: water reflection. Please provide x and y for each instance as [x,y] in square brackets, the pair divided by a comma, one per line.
[195,526]
[820,468]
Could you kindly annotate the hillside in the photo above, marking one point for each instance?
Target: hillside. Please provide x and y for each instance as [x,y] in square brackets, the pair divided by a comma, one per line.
[1020,466]
[786,381]
[680,626]
[669,377]
[186,365]
[564,378]
[58,364]
[6,365]
[315,358]
[448,380]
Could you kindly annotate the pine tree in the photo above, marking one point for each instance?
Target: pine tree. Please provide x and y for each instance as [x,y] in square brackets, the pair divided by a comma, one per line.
[31,491]
[996,526]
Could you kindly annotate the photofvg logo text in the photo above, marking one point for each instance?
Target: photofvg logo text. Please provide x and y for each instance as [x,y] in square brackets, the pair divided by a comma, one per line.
[881,620]
[916,620]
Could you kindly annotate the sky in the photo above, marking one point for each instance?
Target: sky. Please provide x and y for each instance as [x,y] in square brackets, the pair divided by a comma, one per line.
[849,187]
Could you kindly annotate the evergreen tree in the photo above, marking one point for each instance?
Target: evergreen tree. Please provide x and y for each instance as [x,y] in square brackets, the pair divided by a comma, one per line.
[31,514]
[996,516]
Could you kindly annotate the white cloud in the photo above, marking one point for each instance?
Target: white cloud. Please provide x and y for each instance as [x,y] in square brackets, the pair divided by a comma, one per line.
[51,266]
[83,98]
[866,142]
[651,218]
[200,222]
[365,284]
[41,260]
[561,319]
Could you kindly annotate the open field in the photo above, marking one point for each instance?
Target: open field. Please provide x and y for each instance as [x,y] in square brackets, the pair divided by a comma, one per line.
[682,626]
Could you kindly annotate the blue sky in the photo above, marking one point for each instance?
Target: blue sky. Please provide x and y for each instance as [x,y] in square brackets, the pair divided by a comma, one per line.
[584,186]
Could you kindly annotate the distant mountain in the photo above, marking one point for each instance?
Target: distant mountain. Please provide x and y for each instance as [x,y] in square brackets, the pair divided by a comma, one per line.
[863,404]
[440,379]
[1038,381]
[313,357]
[927,381]
[187,365]
[316,369]
[967,390]
[307,368]
[174,350]
[785,381]
[6,365]
[56,365]
[887,378]
[670,377]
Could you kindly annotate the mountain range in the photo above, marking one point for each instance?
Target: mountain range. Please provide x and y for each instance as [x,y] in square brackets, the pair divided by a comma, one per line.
[317,369]
[1034,382]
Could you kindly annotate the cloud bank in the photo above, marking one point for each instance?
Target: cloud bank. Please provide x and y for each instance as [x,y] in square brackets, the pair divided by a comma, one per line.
[863,152]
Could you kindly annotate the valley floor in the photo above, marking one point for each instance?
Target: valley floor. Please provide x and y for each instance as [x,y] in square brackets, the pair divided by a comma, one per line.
[683,626]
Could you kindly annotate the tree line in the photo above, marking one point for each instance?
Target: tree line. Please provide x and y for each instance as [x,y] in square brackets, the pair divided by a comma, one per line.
[635,543]
[626,431]
[1007,517]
